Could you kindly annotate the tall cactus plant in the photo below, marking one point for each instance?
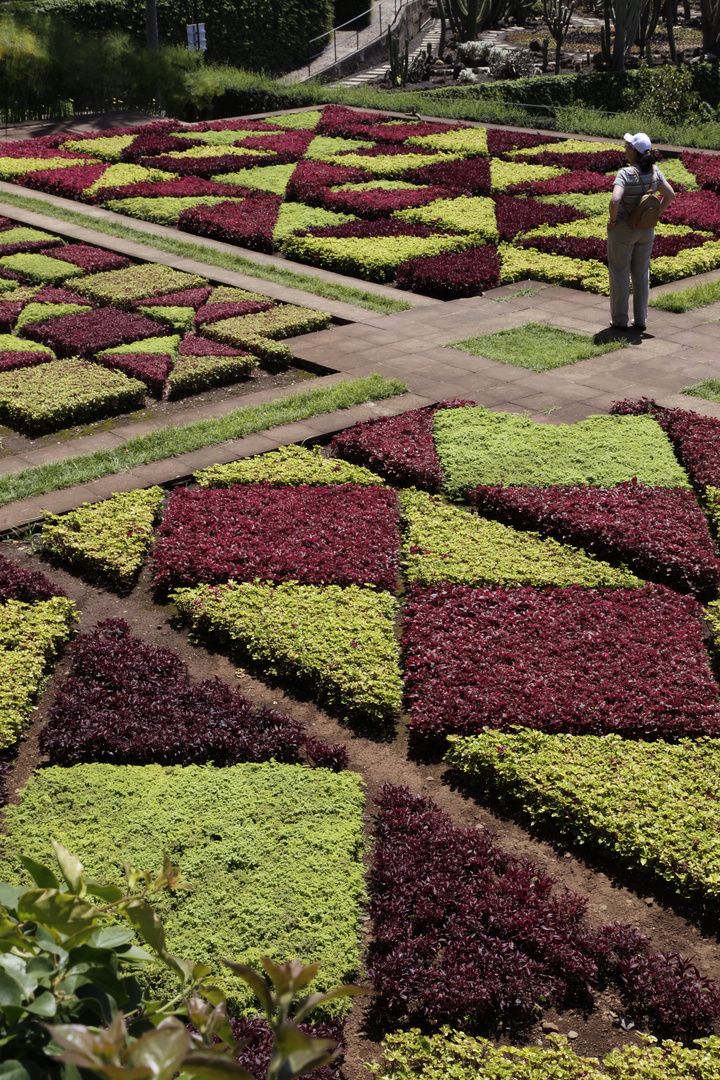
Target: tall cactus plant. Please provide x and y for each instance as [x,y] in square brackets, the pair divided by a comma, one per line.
[399,61]
[469,17]
[558,14]
[617,35]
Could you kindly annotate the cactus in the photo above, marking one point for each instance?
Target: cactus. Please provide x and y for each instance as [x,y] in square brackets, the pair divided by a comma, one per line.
[625,17]
[557,16]
[399,61]
[544,50]
[469,17]
[646,27]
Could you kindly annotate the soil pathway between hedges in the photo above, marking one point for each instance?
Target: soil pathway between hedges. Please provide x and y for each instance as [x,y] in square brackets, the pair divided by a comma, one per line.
[381,762]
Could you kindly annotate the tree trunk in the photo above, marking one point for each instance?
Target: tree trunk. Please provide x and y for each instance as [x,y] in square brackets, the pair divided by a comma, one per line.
[710,12]
[558,53]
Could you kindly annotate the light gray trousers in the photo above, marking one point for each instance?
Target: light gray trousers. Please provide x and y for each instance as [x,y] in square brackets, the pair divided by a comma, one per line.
[629,253]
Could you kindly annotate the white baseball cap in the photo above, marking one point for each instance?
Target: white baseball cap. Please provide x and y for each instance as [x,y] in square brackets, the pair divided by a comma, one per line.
[640,142]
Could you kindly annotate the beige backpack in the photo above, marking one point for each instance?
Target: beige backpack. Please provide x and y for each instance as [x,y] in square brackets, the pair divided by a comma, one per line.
[647,212]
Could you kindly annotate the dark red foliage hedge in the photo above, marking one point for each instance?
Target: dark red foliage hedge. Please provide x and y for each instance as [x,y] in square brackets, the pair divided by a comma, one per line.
[338,120]
[384,227]
[153,143]
[583,661]
[69,183]
[11,360]
[211,313]
[94,260]
[43,147]
[341,534]
[150,368]
[514,215]
[249,223]
[377,203]
[51,294]
[255,1057]
[704,167]
[194,298]
[396,133]
[211,166]
[28,245]
[27,586]
[695,438]
[591,247]
[453,274]
[309,176]
[468,177]
[585,182]
[289,145]
[501,140]
[400,448]
[698,209]
[85,333]
[9,311]
[466,934]
[236,124]
[179,187]
[603,161]
[660,533]
[191,345]
[130,703]
[389,150]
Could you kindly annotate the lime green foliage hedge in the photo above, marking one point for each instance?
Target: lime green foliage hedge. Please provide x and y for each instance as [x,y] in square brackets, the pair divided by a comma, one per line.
[288,466]
[122,287]
[107,147]
[372,258]
[536,346]
[650,806]
[30,637]
[109,539]
[180,318]
[295,216]
[78,391]
[272,178]
[163,210]
[10,343]
[340,641]
[466,214]
[126,173]
[453,1055]
[516,264]
[168,346]
[23,233]
[686,263]
[504,174]
[387,165]
[467,142]
[191,374]
[33,313]
[41,268]
[476,446]
[12,168]
[273,853]
[443,542]
[260,332]
[326,147]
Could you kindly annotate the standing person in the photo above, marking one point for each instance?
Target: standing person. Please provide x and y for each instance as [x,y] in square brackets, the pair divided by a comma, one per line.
[629,248]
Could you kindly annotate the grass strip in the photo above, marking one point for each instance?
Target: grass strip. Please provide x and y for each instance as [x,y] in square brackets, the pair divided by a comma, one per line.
[708,389]
[687,299]
[330,290]
[537,347]
[170,440]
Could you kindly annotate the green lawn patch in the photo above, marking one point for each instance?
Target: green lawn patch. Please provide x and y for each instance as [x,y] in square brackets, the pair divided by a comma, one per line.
[687,299]
[206,253]
[443,542]
[478,447]
[652,806]
[708,389]
[538,347]
[170,440]
[273,853]
[338,642]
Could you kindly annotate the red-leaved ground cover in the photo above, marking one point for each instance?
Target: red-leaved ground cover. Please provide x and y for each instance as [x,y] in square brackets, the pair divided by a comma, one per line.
[310,176]
[400,448]
[466,934]
[603,161]
[150,368]
[249,223]
[25,585]
[94,260]
[591,247]
[467,177]
[192,345]
[130,703]
[698,209]
[28,245]
[9,311]
[211,313]
[452,274]
[515,215]
[695,438]
[705,168]
[585,182]
[255,1056]
[11,360]
[339,534]
[583,661]
[69,183]
[376,203]
[660,533]
[87,332]
[194,298]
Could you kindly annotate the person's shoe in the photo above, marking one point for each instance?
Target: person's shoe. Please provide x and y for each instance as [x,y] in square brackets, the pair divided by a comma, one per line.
[640,327]
[619,326]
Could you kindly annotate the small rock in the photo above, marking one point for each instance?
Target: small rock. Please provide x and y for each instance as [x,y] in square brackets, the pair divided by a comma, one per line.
[649,901]
[603,907]
[572,1035]
[568,855]
[429,777]
[548,1027]
[626,1023]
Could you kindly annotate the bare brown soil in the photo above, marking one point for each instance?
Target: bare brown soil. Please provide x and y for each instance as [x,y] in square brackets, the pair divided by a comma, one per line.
[387,761]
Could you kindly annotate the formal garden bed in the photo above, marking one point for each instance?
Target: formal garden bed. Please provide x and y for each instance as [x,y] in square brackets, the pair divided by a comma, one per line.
[534,591]
[443,208]
[86,335]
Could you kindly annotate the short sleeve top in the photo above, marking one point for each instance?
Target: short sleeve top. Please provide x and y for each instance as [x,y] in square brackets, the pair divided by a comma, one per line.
[636,185]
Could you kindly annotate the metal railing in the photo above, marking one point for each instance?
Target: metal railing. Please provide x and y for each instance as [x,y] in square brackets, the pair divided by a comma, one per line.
[386,10]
